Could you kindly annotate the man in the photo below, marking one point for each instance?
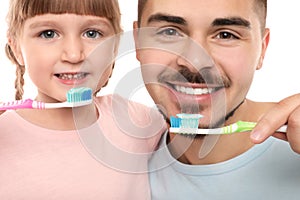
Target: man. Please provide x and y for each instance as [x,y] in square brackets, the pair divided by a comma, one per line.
[199,56]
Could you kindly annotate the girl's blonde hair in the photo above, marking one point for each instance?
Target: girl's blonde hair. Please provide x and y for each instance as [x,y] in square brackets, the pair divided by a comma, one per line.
[21,10]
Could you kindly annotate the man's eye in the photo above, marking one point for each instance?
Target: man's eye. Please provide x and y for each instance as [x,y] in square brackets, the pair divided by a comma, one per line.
[92,34]
[169,32]
[226,35]
[48,34]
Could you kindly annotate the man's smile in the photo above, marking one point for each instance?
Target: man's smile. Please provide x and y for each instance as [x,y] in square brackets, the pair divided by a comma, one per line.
[194,91]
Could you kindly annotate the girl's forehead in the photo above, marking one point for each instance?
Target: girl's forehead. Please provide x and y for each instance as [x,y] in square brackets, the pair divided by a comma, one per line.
[103,8]
[21,10]
[66,6]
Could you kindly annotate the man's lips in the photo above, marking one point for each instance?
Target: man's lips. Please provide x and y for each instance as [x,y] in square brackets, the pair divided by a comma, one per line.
[194,89]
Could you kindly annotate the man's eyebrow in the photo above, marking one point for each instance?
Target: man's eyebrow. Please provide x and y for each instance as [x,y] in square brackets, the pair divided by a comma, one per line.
[228,21]
[231,21]
[167,18]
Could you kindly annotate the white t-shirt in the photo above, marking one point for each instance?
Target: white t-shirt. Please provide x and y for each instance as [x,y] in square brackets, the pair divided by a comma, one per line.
[268,171]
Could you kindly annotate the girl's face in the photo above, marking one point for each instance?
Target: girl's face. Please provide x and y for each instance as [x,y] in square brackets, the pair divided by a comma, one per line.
[62,51]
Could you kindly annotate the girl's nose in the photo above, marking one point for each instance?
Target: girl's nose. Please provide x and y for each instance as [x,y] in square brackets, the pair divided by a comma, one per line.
[73,50]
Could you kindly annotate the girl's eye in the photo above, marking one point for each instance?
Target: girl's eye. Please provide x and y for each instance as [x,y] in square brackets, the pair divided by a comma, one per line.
[92,34]
[48,34]
[226,36]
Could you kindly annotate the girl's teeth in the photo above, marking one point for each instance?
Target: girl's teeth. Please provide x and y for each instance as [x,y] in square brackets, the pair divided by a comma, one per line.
[71,76]
[192,91]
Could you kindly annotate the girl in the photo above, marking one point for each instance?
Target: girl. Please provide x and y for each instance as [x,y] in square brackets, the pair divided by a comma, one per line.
[92,152]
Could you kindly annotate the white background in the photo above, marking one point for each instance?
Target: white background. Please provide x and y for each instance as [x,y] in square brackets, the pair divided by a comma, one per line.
[277,79]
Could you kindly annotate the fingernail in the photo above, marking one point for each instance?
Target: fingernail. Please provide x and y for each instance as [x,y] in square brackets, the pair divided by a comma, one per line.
[256,136]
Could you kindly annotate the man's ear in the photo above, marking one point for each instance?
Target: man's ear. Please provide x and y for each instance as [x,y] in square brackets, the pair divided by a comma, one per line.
[136,40]
[265,43]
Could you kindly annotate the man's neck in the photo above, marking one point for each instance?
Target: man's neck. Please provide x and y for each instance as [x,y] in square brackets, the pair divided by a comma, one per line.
[209,150]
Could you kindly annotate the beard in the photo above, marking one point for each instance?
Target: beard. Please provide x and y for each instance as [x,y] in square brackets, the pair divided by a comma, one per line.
[218,113]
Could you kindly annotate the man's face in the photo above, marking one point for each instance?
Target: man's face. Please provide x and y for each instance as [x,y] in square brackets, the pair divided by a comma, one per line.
[199,56]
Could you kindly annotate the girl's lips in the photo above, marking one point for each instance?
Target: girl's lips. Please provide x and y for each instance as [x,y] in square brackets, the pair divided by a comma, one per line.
[71,78]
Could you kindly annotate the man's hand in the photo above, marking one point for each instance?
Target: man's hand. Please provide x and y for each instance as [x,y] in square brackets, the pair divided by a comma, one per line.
[287,112]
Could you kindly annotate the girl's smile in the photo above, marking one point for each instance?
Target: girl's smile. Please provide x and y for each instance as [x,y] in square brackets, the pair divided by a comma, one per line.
[72,78]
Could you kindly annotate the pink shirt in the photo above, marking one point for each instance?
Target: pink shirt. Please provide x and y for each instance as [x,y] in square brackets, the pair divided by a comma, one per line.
[107,160]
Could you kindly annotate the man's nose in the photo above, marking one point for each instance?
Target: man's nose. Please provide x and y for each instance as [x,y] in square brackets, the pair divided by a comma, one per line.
[194,56]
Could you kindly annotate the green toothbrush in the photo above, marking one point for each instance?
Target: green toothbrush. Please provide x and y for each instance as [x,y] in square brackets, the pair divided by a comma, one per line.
[185,124]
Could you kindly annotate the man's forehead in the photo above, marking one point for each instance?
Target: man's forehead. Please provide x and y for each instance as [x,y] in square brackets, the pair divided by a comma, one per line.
[196,8]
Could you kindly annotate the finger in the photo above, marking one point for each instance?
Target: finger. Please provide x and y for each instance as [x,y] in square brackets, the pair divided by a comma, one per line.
[274,118]
[293,133]
[281,136]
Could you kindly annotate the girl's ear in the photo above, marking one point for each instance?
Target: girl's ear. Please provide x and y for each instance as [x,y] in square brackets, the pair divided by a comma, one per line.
[14,52]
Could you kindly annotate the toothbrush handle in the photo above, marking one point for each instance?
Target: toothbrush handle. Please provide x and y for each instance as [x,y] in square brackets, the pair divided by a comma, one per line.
[282,129]
[218,131]
[22,104]
[31,104]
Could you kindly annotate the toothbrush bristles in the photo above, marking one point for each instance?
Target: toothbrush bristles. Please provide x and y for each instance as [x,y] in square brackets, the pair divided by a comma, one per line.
[79,94]
[185,123]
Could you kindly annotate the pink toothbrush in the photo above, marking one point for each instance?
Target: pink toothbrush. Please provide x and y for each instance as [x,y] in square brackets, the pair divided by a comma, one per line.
[75,97]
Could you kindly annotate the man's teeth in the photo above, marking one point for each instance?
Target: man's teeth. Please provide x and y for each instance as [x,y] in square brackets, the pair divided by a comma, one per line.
[72,76]
[193,91]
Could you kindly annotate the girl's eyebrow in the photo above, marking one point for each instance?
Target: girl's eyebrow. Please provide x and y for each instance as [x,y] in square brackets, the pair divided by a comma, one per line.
[38,24]
[89,22]
[102,22]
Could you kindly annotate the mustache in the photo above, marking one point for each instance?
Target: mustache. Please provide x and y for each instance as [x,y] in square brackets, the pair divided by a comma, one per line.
[204,76]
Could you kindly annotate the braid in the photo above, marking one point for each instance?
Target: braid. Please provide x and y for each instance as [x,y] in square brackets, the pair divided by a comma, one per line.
[20,70]
[19,82]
